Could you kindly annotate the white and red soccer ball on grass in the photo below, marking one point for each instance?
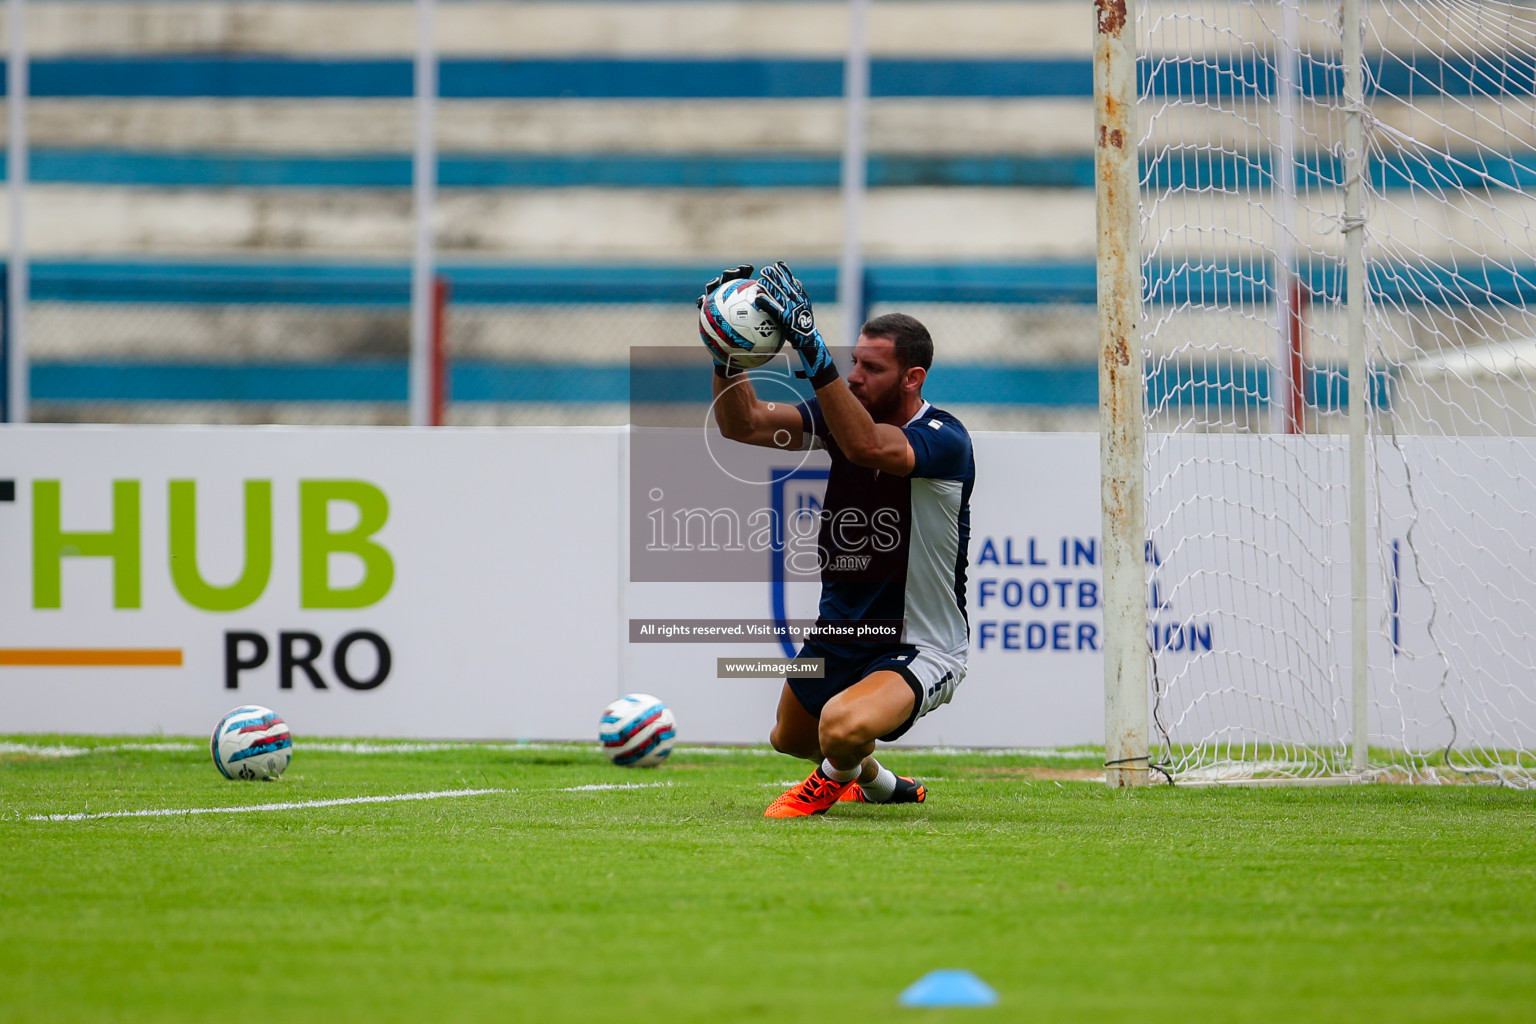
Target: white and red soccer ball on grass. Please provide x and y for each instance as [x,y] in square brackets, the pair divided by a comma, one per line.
[251,742]
[637,731]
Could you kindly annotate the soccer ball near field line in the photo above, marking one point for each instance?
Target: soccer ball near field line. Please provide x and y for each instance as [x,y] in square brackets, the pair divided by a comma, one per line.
[251,742]
[735,329]
[637,731]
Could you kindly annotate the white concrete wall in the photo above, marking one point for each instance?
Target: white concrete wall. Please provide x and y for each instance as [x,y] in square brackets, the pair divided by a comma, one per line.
[683,225]
[745,27]
[974,27]
[640,224]
[564,126]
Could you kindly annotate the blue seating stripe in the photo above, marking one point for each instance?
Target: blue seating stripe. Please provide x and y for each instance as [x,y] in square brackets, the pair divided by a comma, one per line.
[1198,169]
[765,78]
[387,285]
[1044,385]
[518,170]
[548,78]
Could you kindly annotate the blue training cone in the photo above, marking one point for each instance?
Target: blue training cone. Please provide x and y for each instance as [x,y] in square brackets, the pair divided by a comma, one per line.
[948,988]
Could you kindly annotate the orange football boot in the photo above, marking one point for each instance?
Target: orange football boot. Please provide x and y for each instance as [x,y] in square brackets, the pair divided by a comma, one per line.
[813,796]
[908,791]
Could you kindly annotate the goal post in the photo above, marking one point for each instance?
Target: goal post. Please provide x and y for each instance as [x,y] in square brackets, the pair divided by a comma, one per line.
[1121,393]
[1353,226]
[1317,313]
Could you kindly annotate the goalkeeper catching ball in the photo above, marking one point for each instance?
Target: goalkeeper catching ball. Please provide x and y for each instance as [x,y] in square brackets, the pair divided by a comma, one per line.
[895,526]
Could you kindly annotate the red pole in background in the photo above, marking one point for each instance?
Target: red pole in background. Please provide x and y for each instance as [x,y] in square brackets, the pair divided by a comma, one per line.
[439,350]
[1296,328]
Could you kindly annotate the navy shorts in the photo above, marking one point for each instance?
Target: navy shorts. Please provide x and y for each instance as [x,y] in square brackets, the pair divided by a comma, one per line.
[932,675]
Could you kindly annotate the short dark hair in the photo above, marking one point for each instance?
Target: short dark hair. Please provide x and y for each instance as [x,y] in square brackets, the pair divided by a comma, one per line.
[914,345]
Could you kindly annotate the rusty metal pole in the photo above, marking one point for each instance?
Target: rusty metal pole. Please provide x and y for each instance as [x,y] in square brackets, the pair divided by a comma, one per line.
[1285,392]
[1122,443]
[424,200]
[439,395]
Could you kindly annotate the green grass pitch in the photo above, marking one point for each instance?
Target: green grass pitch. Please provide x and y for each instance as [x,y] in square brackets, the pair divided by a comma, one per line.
[679,902]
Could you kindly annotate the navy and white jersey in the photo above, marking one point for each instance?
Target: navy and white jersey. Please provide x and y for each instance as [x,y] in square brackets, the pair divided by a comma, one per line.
[894,547]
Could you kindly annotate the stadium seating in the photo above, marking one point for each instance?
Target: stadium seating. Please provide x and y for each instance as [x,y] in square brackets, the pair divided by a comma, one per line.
[220,208]
[221,216]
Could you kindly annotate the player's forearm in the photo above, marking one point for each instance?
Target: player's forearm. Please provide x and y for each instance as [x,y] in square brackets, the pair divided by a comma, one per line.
[734,401]
[850,423]
[872,445]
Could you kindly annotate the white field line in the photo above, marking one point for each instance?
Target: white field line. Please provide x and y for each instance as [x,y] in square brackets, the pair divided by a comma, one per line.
[299,805]
[762,751]
[1068,754]
[366,747]
[392,748]
[428,747]
[61,750]
[172,812]
[946,780]
[40,751]
[926,778]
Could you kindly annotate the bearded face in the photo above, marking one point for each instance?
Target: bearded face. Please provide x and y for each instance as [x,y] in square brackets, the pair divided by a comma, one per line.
[884,405]
[876,379]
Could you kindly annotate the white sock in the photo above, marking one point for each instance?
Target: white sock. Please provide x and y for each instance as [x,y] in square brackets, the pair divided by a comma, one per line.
[882,787]
[837,774]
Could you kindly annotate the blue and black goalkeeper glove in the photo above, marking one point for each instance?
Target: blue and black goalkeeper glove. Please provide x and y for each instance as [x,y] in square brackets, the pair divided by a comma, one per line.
[781,295]
[722,367]
[729,274]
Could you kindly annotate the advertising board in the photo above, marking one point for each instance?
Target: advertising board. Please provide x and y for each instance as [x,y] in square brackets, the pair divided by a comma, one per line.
[484,584]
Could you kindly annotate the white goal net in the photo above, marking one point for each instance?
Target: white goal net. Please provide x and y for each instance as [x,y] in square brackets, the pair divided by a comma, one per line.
[1244,168]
